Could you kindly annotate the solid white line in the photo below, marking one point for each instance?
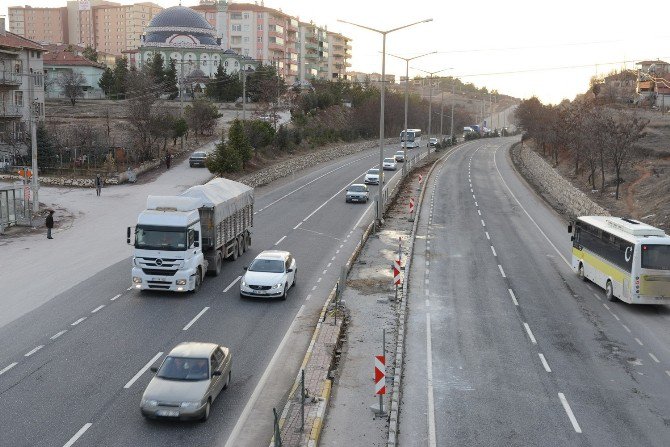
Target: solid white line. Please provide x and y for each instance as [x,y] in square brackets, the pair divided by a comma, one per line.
[116,297]
[487,235]
[432,442]
[32,351]
[7,368]
[142,371]
[530,333]
[544,363]
[78,435]
[568,410]
[297,226]
[494,251]
[625,327]
[279,241]
[363,216]
[190,323]
[638,341]
[232,439]
[483,224]
[232,284]
[55,336]
[502,272]
[511,293]
[653,357]
[78,321]
[97,308]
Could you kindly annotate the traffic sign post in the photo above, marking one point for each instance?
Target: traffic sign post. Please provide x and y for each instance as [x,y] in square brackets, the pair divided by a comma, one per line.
[420,181]
[411,209]
[380,378]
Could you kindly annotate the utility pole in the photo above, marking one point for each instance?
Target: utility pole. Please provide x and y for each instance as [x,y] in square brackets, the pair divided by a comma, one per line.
[441,114]
[453,99]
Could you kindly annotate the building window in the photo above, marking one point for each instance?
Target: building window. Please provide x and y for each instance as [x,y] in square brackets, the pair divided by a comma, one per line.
[245,15]
[260,27]
[237,28]
[245,27]
[18,98]
[236,16]
[259,39]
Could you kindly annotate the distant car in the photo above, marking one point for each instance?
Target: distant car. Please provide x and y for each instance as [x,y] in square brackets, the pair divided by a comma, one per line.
[357,193]
[197,159]
[270,275]
[187,382]
[432,142]
[399,156]
[389,164]
[372,177]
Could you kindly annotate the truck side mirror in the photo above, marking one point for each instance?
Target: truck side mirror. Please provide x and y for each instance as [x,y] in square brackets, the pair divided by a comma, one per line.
[569,228]
[572,238]
[128,236]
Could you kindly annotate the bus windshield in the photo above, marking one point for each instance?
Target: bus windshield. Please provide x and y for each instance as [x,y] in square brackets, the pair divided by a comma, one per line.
[656,257]
[410,136]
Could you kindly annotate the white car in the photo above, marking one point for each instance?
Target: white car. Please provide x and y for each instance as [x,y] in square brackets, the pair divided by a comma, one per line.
[270,275]
[372,177]
[389,164]
[399,156]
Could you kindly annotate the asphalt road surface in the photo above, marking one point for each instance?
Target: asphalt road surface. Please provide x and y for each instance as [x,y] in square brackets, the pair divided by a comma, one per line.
[73,370]
[506,346]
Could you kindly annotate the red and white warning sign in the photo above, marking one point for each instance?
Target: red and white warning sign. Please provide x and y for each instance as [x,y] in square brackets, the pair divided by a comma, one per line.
[420,179]
[396,272]
[380,374]
[411,205]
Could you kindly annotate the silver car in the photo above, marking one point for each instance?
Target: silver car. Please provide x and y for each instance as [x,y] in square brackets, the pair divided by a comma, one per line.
[357,193]
[187,382]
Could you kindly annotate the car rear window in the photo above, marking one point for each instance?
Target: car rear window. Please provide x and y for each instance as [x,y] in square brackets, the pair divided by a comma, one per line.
[373,171]
[357,188]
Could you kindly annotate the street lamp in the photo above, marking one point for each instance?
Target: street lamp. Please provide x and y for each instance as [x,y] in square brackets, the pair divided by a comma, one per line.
[430,102]
[380,201]
[407,59]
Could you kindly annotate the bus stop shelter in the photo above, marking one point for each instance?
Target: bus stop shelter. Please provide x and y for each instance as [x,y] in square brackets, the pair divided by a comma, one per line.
[14,209]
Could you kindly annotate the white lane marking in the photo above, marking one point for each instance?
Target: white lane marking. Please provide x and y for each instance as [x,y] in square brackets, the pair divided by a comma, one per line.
[431,398]
[115,297]
[427,292]
[7,368]
[544,363]
[597,296]
[230,286]
[666,371]
[200,314]
[479,212]
[328,266]
[129,288]
[313,288]
[232,439]
[363,216]
[606,306]
[97,308]
[427,281]
[318,280]
[280,240]
[142,371]
[55,336]
[568,410]
[78,321]
[427,271]
[333,258]
[625,327]
[511,293]
[78,435]
[483,224]
[32,351]
[427,263]
[494,251]
[472,190]
[615,317]
[487,235]
[638,341]
[332,197]
[297,226]
[341,245]
[502,272]
[427,302]
[473,196]
[476,204]
[337,251]
[324,272]
[526,212]
[653,357]
[308,297]
[530,333]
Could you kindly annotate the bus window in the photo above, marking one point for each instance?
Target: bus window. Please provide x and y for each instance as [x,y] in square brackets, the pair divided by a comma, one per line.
[656,257]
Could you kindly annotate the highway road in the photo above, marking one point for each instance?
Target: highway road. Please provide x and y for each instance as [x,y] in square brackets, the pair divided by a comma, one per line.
[506,346]
[73,370]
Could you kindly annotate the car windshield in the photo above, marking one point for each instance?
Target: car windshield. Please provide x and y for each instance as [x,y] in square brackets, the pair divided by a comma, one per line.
[656,257]
[267,265]
[160,238]
[357,188]
[388,160]
[373,171]
[184,368]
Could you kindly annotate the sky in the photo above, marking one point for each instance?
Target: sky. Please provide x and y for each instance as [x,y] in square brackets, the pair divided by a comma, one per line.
[520,48]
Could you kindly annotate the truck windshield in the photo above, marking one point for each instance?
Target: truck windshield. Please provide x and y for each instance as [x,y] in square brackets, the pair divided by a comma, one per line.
[152,238]
[656,257]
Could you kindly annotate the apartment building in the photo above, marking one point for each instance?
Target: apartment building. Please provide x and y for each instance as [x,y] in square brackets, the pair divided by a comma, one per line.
[314,52]
[39,24]
[339,55]
[21,91]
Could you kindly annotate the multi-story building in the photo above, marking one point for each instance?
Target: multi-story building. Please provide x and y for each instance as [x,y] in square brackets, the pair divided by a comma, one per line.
[339,56]
[39,24]
[314,52]
[21,91]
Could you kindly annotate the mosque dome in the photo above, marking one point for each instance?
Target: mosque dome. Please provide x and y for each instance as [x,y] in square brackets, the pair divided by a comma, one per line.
[180,26]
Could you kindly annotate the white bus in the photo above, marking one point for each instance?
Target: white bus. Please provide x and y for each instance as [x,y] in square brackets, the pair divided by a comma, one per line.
[413,138]
[627,258]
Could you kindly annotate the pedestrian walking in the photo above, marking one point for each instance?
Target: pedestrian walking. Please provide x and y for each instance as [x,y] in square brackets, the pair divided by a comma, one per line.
[98,184]
[49,223]
[168,159]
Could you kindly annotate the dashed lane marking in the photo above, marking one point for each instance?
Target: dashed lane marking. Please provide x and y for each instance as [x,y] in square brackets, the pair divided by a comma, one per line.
[200,314]
[78,435]
[7,368]
[654,358]
[502,272]
[78,321]
[32,351]
[568,410]
[116,297]
[511,293]
[56,335]
[494,251]
[530,334]
[230,286]
[544,363]
[100,307]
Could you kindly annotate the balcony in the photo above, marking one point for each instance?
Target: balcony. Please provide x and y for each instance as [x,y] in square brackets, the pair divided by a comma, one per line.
[311,55]
[10,78]
[10,111]
[311,46]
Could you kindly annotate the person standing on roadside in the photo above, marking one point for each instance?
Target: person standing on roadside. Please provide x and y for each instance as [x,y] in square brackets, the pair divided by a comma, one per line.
[98,184]
[168,159]
[49,223]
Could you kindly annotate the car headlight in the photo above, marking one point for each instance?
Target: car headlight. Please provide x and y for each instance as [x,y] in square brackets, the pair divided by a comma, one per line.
[137,280]
[181,282]
[190,404]
[278,286]
[243,283]
[150,403]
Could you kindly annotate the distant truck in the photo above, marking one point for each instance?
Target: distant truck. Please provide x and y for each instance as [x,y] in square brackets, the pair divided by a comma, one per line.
[180,238]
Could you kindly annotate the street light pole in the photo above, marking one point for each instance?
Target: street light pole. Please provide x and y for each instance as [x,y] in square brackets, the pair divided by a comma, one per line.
[380,197]
[430,102]
[453,99]
[404,140]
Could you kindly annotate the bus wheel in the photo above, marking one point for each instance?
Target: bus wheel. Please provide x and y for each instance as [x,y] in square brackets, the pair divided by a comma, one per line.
[580,272]
[609,291]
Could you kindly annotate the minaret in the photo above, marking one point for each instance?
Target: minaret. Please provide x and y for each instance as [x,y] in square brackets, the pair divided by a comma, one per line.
[222,23]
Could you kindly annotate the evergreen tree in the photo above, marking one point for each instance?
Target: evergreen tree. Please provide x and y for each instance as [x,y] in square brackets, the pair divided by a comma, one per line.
[120,75]
[156,69]
[237,139]
[224,159]
[170,78]
[106,81]
[90,53]
[46,153]
[232,89]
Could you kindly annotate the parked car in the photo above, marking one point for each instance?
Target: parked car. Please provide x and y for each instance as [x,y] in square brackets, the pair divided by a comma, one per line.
[197,159]
[389,164]
[270,275]
[357,193]
[372,177]
[399,156]
[432,142]
[187,382]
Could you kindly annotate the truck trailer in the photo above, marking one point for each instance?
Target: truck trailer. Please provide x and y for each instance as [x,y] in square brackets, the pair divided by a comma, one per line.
[178,239]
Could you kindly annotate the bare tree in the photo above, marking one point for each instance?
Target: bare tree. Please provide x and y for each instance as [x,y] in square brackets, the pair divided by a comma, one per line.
[72,83]
[142,97]
[624,132]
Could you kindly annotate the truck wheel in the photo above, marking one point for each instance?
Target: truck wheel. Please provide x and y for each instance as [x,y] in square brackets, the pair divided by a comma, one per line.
[243,244]
[198,281]
[248,240]
[233,256]
[217,267]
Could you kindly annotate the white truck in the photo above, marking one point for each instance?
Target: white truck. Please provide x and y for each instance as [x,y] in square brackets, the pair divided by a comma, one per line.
[180,238]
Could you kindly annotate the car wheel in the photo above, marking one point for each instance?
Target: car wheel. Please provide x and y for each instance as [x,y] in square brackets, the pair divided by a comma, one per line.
[285,294]
[230,375]
[609,291]
[295,275]
[205,415]
[580,272]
